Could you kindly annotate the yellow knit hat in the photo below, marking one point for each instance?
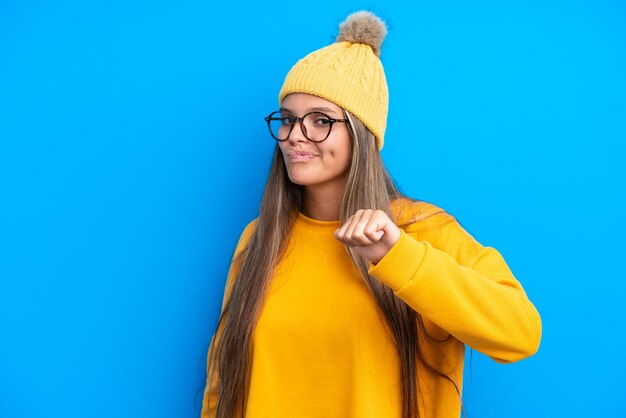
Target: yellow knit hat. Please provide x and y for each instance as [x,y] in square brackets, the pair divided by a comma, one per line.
[348,73]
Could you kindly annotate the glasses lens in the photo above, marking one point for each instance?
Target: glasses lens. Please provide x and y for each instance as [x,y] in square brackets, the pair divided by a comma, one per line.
[280,125]
[317,126]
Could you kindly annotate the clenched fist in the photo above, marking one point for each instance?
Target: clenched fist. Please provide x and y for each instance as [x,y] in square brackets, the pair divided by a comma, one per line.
[370,232]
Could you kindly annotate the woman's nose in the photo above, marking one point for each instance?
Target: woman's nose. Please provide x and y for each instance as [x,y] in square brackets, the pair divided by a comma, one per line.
[297,134]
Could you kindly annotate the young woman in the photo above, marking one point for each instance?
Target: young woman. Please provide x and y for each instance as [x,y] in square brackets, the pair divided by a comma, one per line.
[345,298]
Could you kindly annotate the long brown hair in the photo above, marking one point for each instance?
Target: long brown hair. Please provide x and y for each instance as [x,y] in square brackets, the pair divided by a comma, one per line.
[369,185]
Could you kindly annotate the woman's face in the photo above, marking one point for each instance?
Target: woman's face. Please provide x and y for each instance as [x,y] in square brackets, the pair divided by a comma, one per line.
[313,164]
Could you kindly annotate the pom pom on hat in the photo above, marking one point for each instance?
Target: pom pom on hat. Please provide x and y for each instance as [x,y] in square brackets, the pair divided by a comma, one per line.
[348,72]
[365,28]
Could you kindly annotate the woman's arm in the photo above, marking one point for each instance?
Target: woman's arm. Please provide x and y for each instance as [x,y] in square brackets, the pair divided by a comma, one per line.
[209,401]
[463,287]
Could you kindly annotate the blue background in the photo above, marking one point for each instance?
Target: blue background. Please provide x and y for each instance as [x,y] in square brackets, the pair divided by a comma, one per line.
[133,152]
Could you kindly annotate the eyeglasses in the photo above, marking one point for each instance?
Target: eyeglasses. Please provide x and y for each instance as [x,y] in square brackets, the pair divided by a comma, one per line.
[316,126]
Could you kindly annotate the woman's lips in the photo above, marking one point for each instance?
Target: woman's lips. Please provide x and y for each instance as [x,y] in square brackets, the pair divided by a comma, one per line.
[300,155]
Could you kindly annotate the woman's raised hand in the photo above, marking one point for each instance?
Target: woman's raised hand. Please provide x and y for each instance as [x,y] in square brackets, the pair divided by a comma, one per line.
[370,232]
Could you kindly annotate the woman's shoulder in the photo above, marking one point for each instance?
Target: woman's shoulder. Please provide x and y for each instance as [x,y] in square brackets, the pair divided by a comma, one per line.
[245,235]
[415,214]
[250,228]
[428,222]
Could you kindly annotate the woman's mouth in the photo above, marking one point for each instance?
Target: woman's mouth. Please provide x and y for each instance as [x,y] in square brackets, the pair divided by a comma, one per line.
[300,155]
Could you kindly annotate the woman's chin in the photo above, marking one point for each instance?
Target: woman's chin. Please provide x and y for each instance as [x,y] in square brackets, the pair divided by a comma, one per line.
[300,177]
[300,180]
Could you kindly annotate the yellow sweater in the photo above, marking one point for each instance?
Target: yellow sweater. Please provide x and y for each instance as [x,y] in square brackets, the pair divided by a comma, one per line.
[321,350]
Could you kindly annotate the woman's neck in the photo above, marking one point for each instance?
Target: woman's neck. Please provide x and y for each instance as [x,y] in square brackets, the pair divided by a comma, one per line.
[322,202]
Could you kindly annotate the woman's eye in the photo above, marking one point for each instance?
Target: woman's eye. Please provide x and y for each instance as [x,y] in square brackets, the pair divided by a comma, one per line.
[322,121]
[286,120]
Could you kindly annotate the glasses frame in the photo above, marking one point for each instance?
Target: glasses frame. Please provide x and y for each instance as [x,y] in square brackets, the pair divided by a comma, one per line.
[297,119]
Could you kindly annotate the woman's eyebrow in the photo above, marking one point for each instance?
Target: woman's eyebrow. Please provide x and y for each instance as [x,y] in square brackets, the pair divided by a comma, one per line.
[322,109]
[311,109]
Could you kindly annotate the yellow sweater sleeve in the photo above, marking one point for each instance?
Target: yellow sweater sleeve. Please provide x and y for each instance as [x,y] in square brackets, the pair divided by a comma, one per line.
[209,402]
[466,289]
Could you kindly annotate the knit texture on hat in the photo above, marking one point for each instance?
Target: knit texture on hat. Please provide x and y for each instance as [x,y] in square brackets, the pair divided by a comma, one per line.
[348,73]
